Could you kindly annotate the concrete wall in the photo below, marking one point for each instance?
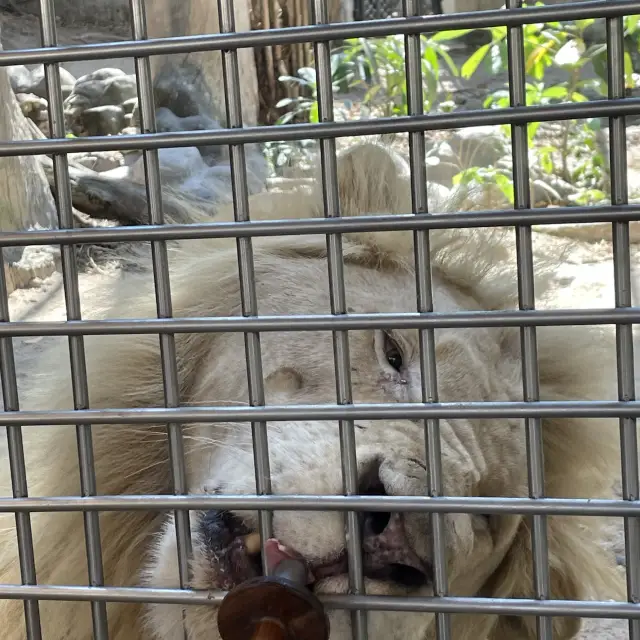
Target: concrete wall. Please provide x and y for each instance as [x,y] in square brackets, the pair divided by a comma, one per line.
[102,14]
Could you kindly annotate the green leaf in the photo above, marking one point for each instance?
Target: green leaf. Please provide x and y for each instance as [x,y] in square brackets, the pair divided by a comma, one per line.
[631,23]
[557,92]
[537,71]
[444,36]
[449,60]
[498,33]
[431,59]
[546,163]
[474,60]
[505,185]
[285,102]
[532,129]
[371,93]
[583,24]
[314,116]
[628,70]
[578,97]
[594,124]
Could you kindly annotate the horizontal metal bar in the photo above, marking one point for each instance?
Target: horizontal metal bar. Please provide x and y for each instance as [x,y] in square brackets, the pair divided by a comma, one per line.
[319,33]
[352,321]
[449,604]
[280,413]
[316,226]
[424,504]
[323,130]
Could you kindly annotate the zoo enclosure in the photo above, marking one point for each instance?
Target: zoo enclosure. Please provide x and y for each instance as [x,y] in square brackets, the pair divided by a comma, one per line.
[522,216]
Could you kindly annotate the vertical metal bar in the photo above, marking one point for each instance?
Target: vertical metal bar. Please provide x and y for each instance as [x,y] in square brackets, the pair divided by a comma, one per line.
[322,55]
[624,333]
[253,355]
[17,465]
[72,302]
[424,293]
[526,300]
[163,291]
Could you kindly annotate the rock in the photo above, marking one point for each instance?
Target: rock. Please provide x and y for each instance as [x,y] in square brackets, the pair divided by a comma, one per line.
[39,83]
[119,173]
[175,165]
[100,75]
[20,78]
[437,197]
[130,105]
[479,146]
[32,106]
[210,184]
[551,189]
[99,161]
[33,82]
[442,163]
[104,87]
[181,161]
[119,90]
[129,130]
[44,128]
[135,115]
[167,121]
[102,121]
[182,89]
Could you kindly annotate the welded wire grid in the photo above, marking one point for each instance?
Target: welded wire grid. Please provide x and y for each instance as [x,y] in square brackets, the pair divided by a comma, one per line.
[430,410]
[379,9]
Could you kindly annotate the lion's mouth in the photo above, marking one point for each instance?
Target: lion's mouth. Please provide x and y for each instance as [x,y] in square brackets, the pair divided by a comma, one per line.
[235,554]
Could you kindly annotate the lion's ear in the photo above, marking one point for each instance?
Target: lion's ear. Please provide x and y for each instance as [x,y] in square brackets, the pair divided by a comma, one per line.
[579,569]
[371,180]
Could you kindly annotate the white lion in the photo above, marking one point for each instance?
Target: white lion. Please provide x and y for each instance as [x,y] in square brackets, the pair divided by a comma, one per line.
[487,556]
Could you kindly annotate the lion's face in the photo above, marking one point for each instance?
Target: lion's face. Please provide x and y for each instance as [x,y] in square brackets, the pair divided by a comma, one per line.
[484,458]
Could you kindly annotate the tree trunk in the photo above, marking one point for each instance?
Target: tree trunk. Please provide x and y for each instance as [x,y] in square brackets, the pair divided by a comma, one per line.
[25,197]
[281,60]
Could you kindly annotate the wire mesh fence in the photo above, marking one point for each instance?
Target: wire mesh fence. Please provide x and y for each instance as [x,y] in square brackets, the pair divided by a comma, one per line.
[364,10]
[429,411]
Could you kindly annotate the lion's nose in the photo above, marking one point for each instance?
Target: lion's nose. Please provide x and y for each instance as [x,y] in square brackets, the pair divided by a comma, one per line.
[387,554]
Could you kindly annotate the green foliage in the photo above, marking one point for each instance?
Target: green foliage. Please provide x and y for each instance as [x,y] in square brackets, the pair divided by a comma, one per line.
[377,68]
[306,105]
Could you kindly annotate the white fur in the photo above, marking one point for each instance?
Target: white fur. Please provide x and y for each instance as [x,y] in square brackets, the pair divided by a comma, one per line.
[472,270]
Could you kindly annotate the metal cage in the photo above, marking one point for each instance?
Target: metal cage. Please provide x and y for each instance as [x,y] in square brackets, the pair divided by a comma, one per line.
[521,217]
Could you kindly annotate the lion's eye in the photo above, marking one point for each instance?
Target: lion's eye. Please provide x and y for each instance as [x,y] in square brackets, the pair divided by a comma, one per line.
[393,353]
